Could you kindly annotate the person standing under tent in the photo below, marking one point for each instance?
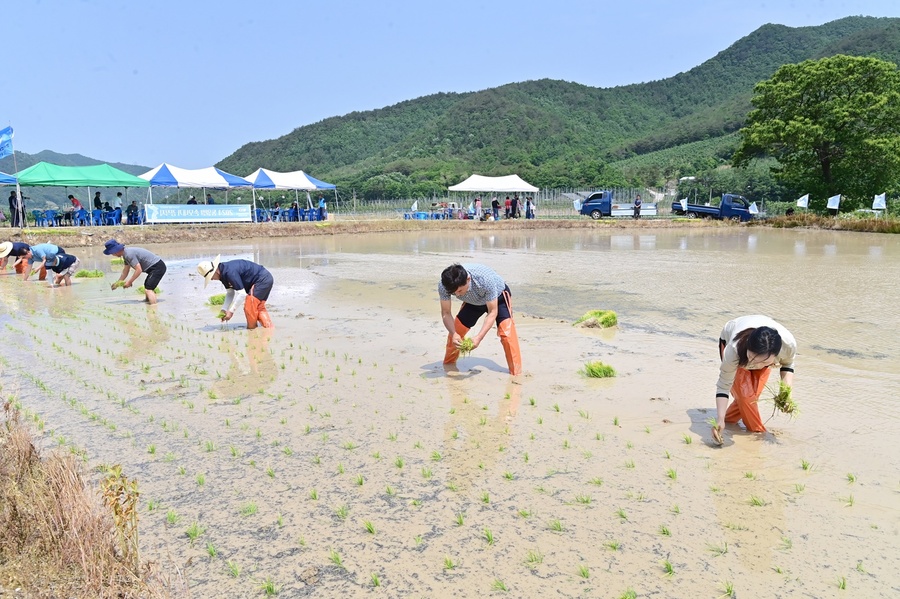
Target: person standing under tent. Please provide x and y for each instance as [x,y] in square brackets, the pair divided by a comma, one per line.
[483,292]
[143,262]
[16,210]
[514,207]
[241,274]
[117,202]
[529,208]
[209,199]
[749,347]
[17,250]
[98,203]
[323,208]
[508,206]
[495,207]
[131,213]
[637,206]
[192,200]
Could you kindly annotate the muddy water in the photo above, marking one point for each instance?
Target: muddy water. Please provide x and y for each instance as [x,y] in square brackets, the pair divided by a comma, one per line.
[343,415]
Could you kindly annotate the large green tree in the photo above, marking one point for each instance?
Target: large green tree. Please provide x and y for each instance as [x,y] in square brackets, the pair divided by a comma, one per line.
[832,124]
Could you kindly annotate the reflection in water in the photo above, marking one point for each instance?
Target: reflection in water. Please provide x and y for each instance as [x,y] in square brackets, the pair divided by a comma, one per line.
[248,373]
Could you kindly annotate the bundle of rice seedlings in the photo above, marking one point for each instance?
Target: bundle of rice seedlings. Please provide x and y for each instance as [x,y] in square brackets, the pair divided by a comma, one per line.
[466,346]
[598,370]
[141,289]
[602,319]
[221,315]
[89,274]
[217,300]
[118,284]
[783,401]
[117,261]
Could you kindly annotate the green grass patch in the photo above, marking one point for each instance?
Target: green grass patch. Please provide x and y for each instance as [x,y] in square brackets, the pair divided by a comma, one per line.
[598,319]
[598,370]
[89,274]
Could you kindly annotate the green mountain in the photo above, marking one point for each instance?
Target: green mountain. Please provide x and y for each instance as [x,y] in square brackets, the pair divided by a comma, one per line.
[24,160]
[557,133]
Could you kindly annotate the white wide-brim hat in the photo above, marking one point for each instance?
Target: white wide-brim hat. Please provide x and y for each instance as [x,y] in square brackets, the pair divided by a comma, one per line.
[207,269]
[5,249]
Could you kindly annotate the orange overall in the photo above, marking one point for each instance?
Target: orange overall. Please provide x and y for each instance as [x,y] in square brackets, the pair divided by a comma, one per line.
[255,311]
[747,387]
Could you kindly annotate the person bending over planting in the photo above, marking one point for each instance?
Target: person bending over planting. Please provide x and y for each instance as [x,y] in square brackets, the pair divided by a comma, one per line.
[17,250]
[41,252]
[748,347]
[246,275]
[143,262]
[482,291]
[64,265]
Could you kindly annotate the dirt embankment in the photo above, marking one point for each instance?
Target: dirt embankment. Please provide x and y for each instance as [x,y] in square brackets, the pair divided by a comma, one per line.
[90,236]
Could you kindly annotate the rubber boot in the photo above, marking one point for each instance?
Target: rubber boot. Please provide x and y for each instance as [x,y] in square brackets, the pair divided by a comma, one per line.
[42,275]
[263,315]
[21,267]
[251,311]
[452,352]
[506,330]
[747,387]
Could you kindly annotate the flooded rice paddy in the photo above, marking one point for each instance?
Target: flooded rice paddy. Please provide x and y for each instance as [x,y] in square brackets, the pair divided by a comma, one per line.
[334,455]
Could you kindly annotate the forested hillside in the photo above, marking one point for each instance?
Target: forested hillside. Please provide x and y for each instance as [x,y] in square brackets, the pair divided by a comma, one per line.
[557,133]
[24,160]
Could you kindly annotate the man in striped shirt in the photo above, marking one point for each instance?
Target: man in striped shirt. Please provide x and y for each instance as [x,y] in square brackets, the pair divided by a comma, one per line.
[482,291]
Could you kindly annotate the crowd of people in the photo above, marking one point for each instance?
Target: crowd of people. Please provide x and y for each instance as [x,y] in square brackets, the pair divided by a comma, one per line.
[513,207]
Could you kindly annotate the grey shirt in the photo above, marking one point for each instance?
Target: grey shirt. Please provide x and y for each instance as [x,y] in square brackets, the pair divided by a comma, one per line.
[485,285]
[135,256]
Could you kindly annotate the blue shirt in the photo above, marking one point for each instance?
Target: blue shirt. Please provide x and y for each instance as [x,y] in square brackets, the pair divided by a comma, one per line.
[242,274]
[42,251]
[484,285]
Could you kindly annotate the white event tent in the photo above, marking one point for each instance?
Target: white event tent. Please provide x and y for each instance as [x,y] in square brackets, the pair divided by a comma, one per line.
[263,178]
[166,175]
[509,183]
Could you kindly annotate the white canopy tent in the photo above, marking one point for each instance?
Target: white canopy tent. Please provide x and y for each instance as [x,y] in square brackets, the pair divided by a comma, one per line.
[509,183]
[166,175]
[263,178]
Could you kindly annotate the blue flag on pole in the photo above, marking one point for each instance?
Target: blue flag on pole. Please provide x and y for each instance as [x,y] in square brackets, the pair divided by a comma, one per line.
[6,148]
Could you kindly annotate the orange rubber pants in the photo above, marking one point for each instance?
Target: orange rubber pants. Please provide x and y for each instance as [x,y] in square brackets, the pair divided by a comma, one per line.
[21,267]
[255,311]
[747,387]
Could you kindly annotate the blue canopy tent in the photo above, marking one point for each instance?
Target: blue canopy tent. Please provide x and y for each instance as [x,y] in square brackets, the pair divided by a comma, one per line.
[296,180]
[166,175]
[7,179]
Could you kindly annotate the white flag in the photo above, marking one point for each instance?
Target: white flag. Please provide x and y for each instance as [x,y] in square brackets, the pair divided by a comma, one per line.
[834,202]
[880,202]
[577,205]
[803,202]
[683,204]
[414,207]
[754,209]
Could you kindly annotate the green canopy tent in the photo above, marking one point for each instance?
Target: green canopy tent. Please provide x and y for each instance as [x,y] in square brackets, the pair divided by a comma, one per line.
[100,175]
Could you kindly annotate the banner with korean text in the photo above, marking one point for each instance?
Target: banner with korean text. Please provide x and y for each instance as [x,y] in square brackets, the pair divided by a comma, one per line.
[198,213]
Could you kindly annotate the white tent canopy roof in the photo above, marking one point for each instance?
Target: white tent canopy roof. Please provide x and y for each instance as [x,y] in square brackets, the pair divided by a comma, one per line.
[166,175]
[265,179]
[492,184]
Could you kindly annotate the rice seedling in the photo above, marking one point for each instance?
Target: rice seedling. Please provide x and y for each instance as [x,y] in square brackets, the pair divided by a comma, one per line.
[668,568]
[525,513]
[718,550]
[153,504]
[615,421]
[628,594]
[629,445]
[733,526]
[427,473]
[151,449]
[596,481]
[340,468]
[622,515]
[359,480]
[851,478]
[435,456]
[842,583]
[92,274]
[687,439]
[193,531]
[249,509]
[757,501]
[466,346]
[389,491]
[217,300]
[335,558]
[488,536]
[556,408]
[786,544]
[233,568]
[556,525]
[417,540]
[848,501]
[598,319]
[376,581]
[583,571]
[287,451]
[449,564]
[210,446]
[583,499]
[672,473]
[859,567]
[485,497]
[532,402]
[612,545]
[533,558]
[783,400]
[370,528]
[268,587]
[509,475]
[172,517]
[727,590]
[211,550]
[341,512]
[565,444]
[598,370]
[664,531]
[200,479]
[629,464]
[460,518]
[350,445]
[749,476]
[398,462]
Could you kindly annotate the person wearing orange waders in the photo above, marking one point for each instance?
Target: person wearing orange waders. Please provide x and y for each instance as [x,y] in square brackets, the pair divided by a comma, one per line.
[17,250]
[246,275]
[39,253]
[749,347]
[482,291]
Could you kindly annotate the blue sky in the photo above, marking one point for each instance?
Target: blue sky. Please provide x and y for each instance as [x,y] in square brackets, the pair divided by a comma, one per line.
[189,82]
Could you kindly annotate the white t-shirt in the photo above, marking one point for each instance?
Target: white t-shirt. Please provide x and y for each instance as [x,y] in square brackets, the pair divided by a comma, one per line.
[729,366]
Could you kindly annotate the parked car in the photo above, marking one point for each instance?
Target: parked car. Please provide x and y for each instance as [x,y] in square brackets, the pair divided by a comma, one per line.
[601,203]
[732,207]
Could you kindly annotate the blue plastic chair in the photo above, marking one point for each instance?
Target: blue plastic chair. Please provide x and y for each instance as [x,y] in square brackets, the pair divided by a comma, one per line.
[80,217]
[312,214]
[39,219]
[50,217]
[96,217]
[292,215]
[113,218]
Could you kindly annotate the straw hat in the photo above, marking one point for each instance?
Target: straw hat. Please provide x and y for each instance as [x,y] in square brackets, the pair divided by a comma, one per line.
[207,269]
[5,249]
